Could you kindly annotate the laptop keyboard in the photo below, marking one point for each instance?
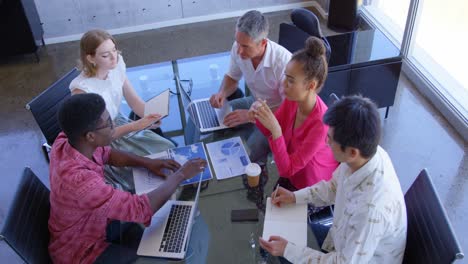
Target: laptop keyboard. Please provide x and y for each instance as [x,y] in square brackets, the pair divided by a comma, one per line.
[176,227]
[207,114]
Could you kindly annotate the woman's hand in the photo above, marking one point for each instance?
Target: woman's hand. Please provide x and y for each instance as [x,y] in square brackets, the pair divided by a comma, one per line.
[265,116]
[147,122]
[253,110]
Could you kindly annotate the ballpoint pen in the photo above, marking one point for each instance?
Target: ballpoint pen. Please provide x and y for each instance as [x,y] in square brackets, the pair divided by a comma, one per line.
[274,194]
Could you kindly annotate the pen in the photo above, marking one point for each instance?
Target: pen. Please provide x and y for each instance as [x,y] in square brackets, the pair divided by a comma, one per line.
[274,194]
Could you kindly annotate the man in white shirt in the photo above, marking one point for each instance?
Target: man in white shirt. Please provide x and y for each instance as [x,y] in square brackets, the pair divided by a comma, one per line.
[369,224]
[261,62]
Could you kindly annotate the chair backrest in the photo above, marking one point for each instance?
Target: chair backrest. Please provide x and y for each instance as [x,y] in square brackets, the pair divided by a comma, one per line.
[44,107]
[332,98]
[307,21]
[291,37]
[305,24]
[430,237]
[26,227]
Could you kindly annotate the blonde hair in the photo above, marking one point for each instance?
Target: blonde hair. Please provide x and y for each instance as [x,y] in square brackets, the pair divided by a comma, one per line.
[89,42]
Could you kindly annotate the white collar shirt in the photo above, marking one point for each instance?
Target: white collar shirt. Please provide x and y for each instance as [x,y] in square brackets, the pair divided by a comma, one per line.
[264,82]
[369,224]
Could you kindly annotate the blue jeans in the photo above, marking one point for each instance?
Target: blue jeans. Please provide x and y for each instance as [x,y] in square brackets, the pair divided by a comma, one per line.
[257,144]
[124,239]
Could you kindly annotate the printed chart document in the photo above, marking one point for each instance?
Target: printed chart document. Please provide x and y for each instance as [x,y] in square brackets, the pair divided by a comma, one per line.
[288,221]
[228,157]
[158,104]
[145,181]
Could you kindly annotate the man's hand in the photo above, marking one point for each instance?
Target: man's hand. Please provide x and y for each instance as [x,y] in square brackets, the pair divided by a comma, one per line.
[275,245]
[236,117]
[217,100]
[265,116]
[282,196]
[192,167]
[160,166]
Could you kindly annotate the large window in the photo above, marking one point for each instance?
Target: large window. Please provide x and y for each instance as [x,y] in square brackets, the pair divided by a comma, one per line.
[438,47]
[390,15]
[434,44]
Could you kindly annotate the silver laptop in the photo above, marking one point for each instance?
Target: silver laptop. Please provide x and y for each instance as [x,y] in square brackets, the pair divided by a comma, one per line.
[168,235]
[205,117]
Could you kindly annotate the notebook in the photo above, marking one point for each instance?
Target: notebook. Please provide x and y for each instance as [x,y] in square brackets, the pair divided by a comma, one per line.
[158,104]
[288,221]
[205,117]
[168,235]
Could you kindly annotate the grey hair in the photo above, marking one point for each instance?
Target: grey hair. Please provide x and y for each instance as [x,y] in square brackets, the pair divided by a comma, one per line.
[254,24]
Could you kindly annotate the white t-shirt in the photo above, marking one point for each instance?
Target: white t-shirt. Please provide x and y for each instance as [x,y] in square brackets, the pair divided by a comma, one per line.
[265,81]
[111,89]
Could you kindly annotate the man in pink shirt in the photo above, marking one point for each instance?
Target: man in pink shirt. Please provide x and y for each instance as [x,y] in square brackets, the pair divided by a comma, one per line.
[82,204]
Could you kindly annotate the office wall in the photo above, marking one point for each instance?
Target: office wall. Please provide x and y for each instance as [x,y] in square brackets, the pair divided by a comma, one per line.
[70,17]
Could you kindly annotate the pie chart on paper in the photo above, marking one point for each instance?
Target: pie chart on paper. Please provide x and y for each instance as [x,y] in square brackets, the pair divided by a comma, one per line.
[230,148]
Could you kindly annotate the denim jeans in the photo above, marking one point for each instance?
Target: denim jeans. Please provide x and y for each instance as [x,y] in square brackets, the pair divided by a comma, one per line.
[124,239]
[257,144]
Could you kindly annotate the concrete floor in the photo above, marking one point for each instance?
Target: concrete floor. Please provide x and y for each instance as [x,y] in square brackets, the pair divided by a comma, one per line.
[415,134]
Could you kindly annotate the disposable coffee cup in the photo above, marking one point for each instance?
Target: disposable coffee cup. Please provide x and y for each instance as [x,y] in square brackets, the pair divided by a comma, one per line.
[214,71]
[143,82]
[253,171]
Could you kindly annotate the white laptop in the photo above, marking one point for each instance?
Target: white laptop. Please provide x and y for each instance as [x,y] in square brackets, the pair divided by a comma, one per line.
[168,235]
[205,117]
[288,221]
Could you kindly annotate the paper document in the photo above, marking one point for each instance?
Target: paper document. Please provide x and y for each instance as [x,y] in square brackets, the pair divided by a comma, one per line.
[145,181]
[288,221]
[158,104]
[228,157]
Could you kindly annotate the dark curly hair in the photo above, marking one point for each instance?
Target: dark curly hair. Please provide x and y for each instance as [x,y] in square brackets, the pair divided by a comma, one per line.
[80,114]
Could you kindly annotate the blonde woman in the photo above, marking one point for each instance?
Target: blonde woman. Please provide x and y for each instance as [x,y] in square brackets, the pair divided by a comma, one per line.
[103,71]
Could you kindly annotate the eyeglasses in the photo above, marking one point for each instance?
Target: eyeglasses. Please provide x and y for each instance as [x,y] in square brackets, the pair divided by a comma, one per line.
[109,123]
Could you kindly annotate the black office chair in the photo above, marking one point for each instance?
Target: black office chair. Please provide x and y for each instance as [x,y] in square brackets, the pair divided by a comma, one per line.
[26,227]
[332,98]
[322,221]
[430,237]
[44,108]
[305,24]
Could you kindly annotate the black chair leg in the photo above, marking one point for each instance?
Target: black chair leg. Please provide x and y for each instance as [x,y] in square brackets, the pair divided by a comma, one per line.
[45,150]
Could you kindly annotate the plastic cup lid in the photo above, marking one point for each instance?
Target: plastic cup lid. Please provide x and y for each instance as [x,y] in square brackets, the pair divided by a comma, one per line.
[253,169]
